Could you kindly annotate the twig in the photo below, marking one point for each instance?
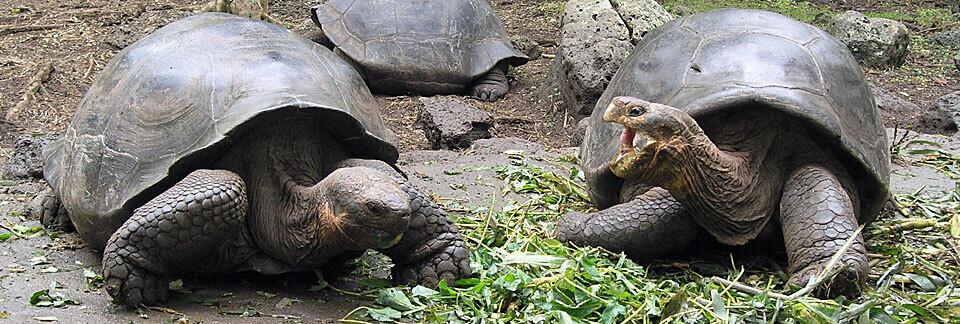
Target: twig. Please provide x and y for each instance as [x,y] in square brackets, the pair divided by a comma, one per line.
[165,310]
[43,74]
[10,30]
[907,225]
[6,59]
[747,289]
[829,271]
[11,231]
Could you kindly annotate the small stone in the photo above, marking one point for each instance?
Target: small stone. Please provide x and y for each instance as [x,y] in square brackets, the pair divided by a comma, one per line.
[948,38]
[526,45]
[948,106]
[27,159]
[452,124]
[875,42]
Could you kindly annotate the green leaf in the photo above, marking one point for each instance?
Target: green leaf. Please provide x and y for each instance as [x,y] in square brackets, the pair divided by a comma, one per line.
[38,296]
[5,236]
[563,317]
[923,281]
[393,297]
[955,226]
[386,314]
[611,312]
[675,305]
[718,307]
[533,259]
[421,291]
[923,312]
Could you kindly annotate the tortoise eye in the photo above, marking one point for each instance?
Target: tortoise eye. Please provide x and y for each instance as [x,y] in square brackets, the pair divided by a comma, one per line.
[636,112]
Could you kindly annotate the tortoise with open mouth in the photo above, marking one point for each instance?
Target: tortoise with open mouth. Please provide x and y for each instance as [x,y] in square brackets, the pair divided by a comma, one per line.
[222,144]
[745,125]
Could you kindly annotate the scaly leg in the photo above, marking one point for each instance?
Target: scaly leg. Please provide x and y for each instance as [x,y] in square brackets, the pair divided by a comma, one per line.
[650,226]
[195,226]
[818,218]
[491,86]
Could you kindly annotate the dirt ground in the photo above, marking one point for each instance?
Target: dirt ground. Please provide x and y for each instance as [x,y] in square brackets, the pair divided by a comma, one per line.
[79,37]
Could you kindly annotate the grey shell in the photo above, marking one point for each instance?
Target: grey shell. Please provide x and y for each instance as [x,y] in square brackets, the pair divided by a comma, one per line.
[717,60]
[171,102]
[423,46]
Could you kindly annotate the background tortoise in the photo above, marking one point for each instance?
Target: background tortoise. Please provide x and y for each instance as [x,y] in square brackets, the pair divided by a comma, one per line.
[220,144]
[774,129]
[424,47]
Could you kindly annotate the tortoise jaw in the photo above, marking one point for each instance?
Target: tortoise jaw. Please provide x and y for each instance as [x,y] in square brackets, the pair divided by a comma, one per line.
[634,153]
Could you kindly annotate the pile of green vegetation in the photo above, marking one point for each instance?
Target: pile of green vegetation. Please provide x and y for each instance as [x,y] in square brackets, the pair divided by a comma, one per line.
[524,275]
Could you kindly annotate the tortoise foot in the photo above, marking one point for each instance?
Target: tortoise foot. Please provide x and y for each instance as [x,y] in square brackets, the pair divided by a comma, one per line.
[450,263]
[46,206]
[129,284]
[848,282]
[491,86]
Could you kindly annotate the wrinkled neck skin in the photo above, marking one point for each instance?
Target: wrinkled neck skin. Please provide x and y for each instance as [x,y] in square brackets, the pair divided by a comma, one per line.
[289,209]
[726,192]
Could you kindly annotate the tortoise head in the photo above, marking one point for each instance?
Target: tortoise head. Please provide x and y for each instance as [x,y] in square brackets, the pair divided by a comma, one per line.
[653,137]
[363,207]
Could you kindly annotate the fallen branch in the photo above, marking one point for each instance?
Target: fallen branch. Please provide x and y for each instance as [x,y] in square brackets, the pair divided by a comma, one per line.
[10,30]
[907,225]
[165,310]
[43,74]
[829,271]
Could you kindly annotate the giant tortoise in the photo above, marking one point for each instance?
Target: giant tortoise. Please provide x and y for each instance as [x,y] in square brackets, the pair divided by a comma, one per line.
[424,47]
[744,124]
[221,144]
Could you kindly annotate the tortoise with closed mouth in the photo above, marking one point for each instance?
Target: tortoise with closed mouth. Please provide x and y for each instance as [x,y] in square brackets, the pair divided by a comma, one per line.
[221,144]
[747,126]
[424,47]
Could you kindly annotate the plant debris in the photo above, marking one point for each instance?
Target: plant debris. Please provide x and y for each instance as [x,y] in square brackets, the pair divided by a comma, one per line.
[522,274]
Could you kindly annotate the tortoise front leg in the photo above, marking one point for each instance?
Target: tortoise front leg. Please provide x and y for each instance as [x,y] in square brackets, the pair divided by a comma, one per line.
[650,226]
[818,218]
[432,248]
[493,85]
[193,226]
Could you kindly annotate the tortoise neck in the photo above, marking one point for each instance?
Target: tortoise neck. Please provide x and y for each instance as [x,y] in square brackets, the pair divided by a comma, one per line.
[725,192]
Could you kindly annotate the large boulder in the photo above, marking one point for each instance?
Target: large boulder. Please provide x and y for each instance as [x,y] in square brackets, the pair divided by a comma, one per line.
[875,42]
[594,41]
[595,38]
[26,162]
[641,16]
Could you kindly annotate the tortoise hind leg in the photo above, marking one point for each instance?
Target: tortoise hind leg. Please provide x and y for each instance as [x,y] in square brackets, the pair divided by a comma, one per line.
[48,208]
[818,218]
[432,248]
[493,85]
[193,226]
[650,226]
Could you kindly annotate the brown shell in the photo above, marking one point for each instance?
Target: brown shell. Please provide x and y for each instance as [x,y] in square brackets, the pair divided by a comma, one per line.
[423,46]
[172,100]
[717,60]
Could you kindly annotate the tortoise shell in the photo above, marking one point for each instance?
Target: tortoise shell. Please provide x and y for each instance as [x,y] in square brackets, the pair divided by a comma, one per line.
[175,100]
[720,60]
[422,46]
